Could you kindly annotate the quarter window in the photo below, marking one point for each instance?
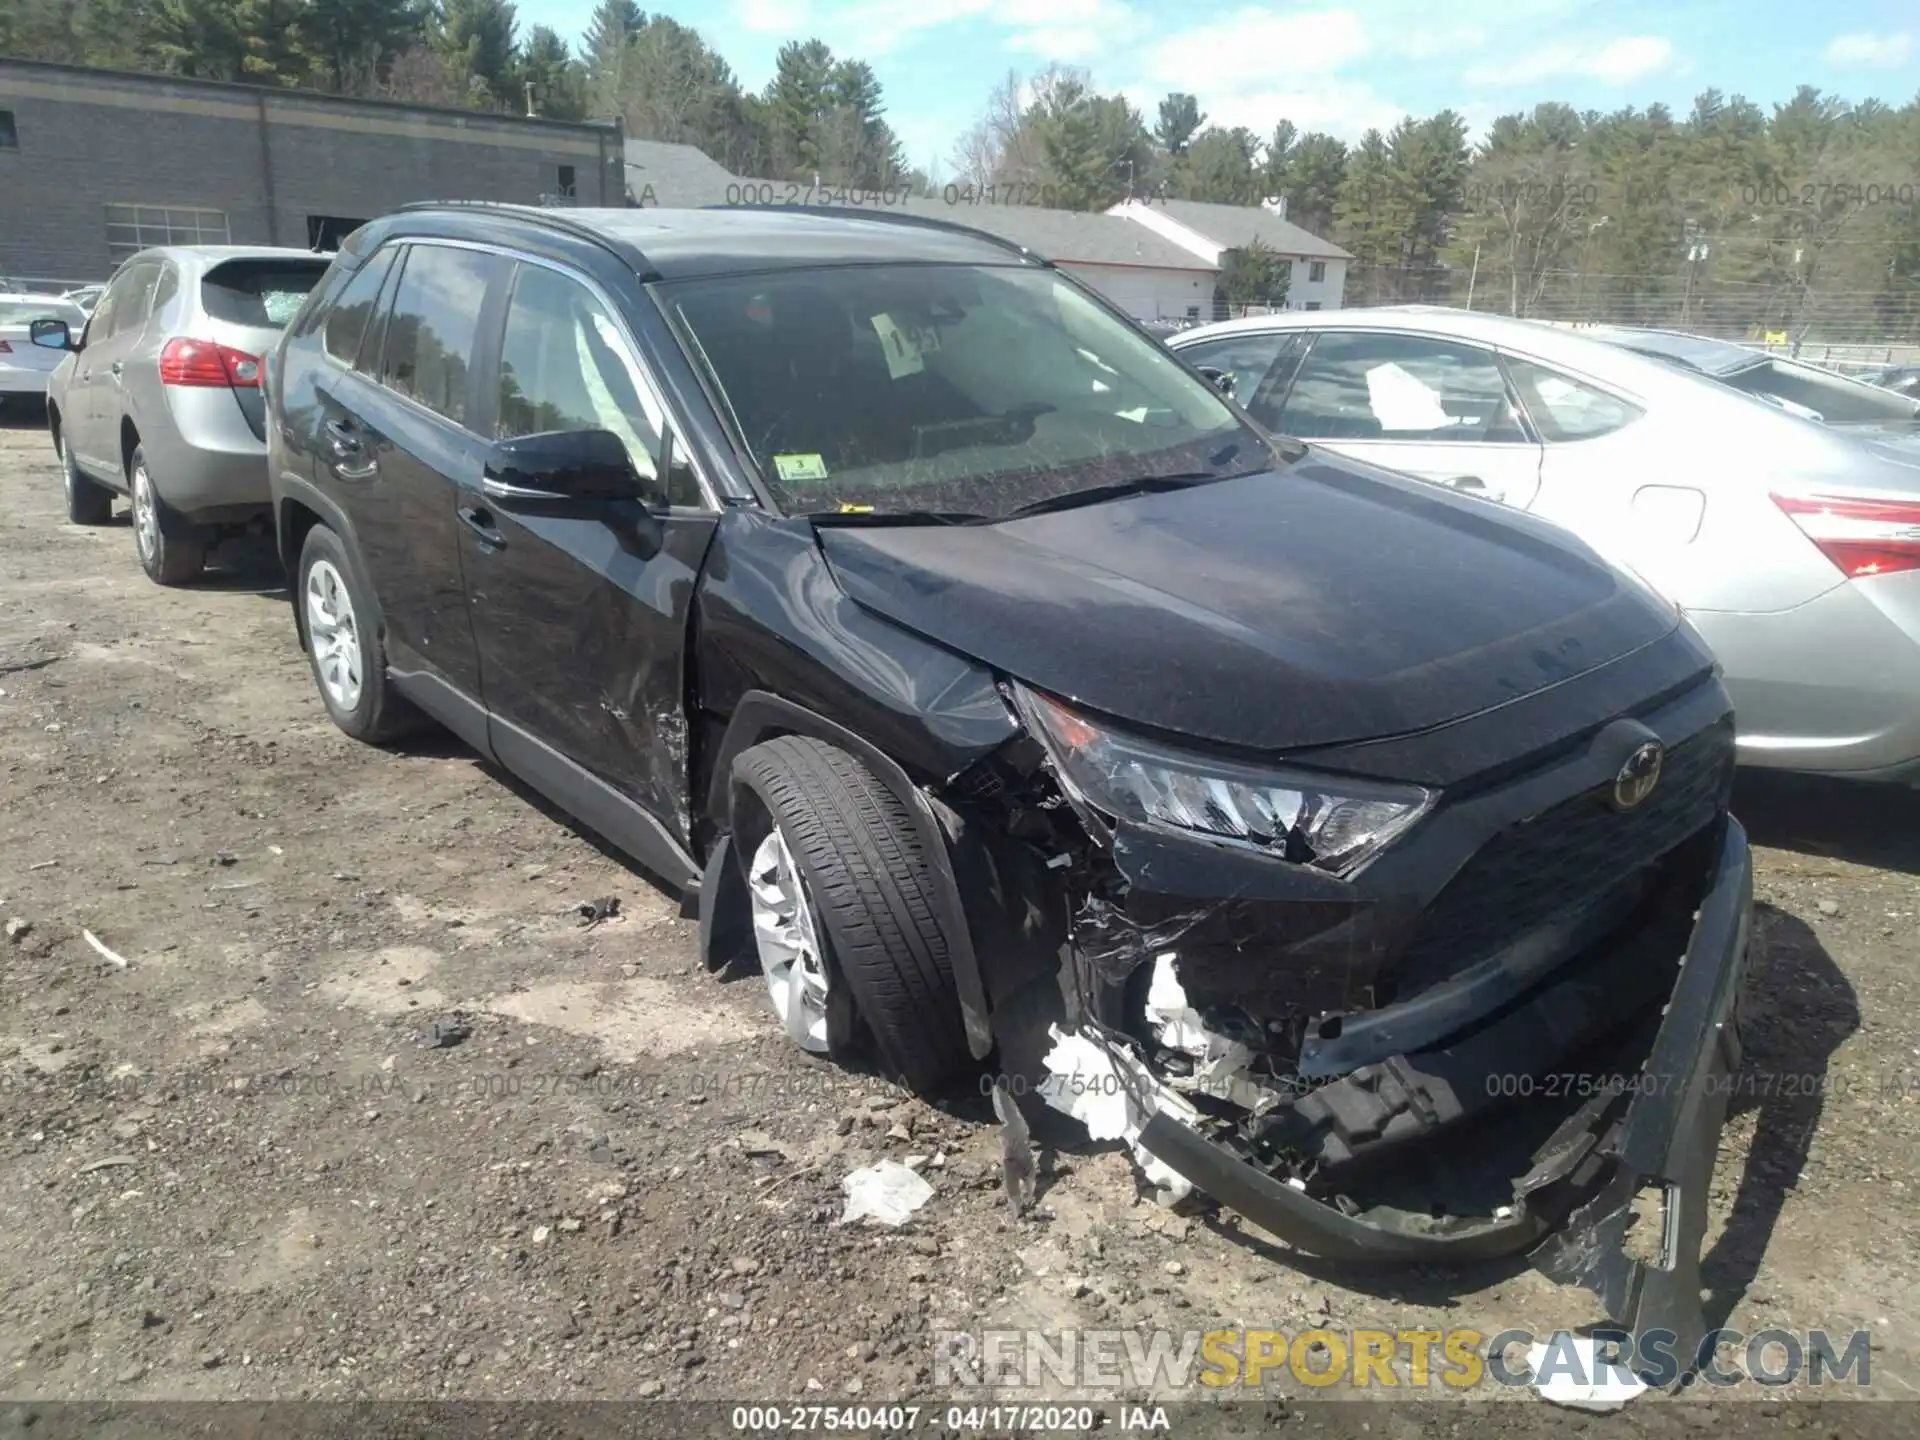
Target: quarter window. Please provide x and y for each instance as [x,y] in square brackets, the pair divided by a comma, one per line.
[564,365]
[132,228]
[9,133]
[1359,386]
[430,333]
[1565,409]
[1262,367]
[347,319]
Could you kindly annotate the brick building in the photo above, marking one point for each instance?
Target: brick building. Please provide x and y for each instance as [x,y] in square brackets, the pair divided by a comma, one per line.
[95,164]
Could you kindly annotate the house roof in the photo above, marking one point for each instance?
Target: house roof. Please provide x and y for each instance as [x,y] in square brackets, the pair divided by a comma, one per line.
[1066,236]
[678,176]
[1233,226]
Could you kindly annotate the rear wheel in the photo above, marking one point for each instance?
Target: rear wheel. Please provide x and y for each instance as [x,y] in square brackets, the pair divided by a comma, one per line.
[173,550]
[842,895]
[343,644]
[88,501]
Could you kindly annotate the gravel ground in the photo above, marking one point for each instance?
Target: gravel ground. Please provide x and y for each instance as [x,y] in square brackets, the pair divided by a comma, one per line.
[372,1113]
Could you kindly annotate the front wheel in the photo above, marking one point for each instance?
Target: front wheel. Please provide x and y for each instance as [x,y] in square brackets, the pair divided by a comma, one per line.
[842,894]
[343,644]
[88,501]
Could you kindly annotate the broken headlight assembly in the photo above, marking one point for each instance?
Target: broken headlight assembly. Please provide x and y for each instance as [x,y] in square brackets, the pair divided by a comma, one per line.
[1330,822]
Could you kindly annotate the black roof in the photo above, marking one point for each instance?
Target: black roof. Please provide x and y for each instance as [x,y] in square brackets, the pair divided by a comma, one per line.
[688,244]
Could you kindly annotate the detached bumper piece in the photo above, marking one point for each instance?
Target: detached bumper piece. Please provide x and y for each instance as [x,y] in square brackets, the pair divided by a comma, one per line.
[1615,1198]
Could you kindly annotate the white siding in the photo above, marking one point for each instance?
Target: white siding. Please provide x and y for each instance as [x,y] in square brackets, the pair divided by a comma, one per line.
[1327,291]
[1147,292]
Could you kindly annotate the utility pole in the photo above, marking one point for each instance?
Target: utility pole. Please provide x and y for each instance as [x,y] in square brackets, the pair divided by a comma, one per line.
[1473,275]
[532,114]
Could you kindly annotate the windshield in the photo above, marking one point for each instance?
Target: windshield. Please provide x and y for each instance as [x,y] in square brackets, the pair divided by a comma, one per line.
[953,389]
[25,312]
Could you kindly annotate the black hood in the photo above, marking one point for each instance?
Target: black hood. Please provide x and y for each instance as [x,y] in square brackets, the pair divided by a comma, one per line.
[1326,603]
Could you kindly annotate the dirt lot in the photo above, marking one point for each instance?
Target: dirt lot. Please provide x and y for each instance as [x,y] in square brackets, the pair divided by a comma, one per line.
[259,1162]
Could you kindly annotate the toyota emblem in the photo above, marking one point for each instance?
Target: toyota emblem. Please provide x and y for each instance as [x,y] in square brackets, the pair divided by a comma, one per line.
[1638,777]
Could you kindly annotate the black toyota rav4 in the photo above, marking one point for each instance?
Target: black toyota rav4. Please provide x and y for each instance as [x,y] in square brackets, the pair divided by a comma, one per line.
[966,659]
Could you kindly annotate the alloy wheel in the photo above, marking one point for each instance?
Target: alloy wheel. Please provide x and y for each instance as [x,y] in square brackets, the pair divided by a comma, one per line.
[333,635]
[787,933]
[146,514]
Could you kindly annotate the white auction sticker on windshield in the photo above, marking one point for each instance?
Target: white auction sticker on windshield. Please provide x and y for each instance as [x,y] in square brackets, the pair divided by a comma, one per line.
[906,346]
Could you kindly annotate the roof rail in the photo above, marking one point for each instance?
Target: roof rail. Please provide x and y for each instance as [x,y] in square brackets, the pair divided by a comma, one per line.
[540,215]
[899,217]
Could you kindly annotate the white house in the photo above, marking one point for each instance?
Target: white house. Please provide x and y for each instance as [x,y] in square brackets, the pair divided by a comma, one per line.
[1142,272]
[1206,230]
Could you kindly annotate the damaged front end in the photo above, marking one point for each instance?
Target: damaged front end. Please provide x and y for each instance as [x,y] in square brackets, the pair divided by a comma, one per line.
[1391,1022]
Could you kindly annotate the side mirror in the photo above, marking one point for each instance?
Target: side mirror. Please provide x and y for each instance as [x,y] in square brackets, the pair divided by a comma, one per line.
[563,465]
[51,335]
[1225,381]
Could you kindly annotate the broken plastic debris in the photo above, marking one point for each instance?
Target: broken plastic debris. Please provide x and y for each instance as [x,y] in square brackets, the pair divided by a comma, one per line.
[888,1192]
[1017,1168]
[1088,1085]
[1580,1378]
[1223,1064]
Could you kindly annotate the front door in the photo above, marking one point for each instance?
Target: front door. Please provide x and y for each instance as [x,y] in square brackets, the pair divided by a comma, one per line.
[580,612]
[1432,408]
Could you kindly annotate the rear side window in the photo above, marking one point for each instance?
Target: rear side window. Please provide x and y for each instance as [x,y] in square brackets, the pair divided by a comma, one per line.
[265,294]
[353,307]
[1368,386]
[431,328]
[1565,409]
[1262,366]
[134,298]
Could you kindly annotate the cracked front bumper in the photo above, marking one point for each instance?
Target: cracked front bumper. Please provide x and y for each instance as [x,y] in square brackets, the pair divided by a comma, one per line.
[1642,1156]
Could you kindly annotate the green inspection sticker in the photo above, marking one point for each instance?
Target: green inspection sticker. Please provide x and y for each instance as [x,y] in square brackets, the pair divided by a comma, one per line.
[800,467]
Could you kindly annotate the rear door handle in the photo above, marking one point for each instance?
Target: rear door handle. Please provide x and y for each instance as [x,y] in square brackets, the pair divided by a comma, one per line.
[115,368]
[480,522]
[344,438]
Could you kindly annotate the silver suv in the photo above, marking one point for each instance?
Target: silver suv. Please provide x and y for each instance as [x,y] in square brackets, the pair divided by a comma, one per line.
[161,400]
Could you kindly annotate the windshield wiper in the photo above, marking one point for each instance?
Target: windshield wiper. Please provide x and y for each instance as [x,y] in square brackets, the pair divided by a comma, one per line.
[896,517]
[1094,494]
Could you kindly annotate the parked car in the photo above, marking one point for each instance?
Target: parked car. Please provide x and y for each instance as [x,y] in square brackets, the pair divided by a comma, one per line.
[1792,545]
[159,398]
[24,367]
[1901,379]
[961,656]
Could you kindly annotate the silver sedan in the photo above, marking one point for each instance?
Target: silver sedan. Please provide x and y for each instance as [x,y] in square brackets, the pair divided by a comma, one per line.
[1780,509]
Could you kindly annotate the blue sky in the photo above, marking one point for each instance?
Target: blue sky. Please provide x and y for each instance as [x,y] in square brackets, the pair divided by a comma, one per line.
[1337,65]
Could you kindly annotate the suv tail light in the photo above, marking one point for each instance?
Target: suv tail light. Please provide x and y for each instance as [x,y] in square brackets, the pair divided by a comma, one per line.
[204,363]
[1863,537]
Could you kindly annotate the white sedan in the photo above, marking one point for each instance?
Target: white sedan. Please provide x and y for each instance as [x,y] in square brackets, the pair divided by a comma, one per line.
[24,366]
[1781,512]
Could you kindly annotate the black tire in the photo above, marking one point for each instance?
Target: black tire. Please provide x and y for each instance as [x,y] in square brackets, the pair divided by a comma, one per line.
[176,550]
[873,886]
[380,713]
[88,501]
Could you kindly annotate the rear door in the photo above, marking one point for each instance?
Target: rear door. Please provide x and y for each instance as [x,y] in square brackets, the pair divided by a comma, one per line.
[108,360]
[78,420]
[397,447]
[580,613]
[1437,409]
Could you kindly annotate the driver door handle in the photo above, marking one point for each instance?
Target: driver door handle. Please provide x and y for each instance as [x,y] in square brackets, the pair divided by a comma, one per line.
[480,522]
[115,368]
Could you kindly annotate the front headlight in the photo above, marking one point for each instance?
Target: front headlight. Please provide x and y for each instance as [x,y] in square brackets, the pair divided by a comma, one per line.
[1327,821]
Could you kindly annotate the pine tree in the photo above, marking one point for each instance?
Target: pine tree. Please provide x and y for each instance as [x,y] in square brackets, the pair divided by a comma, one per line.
[559,84]
[607,52]
[1180,120]
[475,41]
[798,98]
[350,43]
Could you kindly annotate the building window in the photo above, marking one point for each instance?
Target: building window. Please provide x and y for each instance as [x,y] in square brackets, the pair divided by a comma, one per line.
[135,227]
[566,189]
[1193,314]
[326,232]
[9,135]
[1316,271]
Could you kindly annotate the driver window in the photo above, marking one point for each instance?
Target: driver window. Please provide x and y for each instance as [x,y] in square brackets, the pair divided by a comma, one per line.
[564,365]
[1363,386]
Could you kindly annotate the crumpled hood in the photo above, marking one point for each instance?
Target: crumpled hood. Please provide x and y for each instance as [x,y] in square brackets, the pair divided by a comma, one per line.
[1329,602]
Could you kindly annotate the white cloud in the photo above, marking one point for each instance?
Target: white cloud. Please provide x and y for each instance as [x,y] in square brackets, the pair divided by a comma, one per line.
[1862,47]
[1616,62]
[774,17]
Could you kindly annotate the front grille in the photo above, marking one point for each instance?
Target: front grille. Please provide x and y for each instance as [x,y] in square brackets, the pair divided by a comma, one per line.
[1569,855]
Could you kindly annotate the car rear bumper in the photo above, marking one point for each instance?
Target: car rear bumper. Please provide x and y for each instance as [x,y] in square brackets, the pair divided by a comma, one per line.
[1831,686]
[17,381]
[1656,1136]
[209,473]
